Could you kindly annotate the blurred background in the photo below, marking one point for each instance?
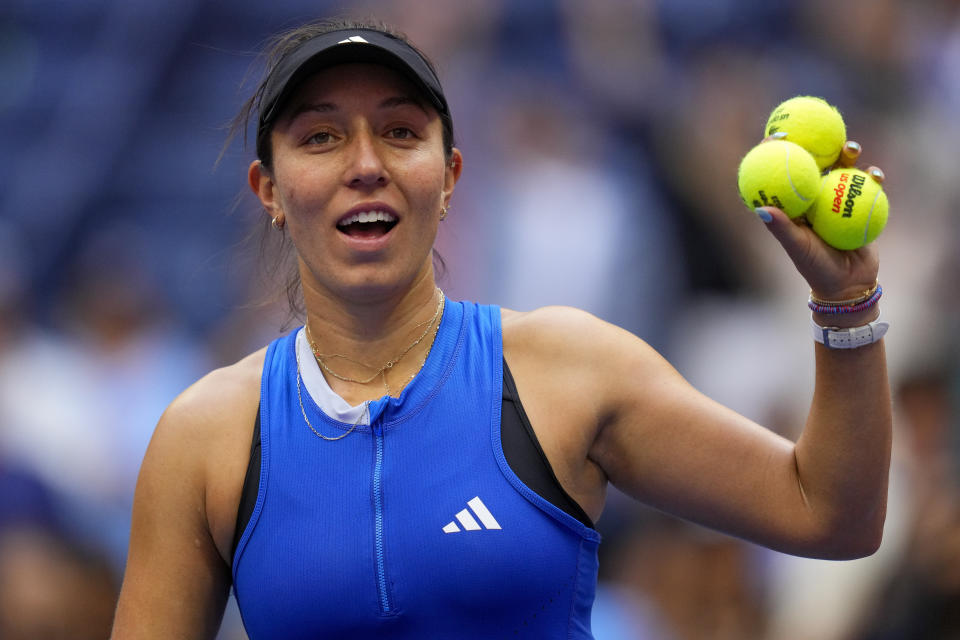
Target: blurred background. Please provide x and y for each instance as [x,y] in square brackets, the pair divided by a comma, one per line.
[601,142]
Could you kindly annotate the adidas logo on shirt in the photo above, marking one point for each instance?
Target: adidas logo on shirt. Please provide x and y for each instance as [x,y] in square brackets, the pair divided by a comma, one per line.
[468,522]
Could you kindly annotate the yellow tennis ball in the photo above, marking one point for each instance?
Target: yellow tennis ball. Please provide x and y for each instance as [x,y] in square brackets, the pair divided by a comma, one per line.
[851,209]
[812,123]
[780,174]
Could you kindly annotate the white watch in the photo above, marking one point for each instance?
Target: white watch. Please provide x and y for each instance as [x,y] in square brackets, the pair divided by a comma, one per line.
[850,337]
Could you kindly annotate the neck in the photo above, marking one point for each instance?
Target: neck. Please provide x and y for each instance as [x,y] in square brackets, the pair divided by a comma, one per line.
[359,332]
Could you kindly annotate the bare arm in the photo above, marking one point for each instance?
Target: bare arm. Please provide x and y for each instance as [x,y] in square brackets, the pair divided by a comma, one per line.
[843,455]
[175,584]
[824,496]
[177,577]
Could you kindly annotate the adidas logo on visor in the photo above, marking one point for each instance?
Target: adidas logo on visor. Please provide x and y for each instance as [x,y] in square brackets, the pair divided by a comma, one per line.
[469,523]
[353,39]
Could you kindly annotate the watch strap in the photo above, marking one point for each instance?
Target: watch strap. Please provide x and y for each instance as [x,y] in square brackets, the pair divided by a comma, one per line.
[849,337]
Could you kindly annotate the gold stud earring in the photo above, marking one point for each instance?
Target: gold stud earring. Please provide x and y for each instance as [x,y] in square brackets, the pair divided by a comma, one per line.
[278,222]
[443,212]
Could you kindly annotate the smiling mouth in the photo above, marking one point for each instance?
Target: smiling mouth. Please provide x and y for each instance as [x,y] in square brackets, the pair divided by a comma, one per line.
[367,224]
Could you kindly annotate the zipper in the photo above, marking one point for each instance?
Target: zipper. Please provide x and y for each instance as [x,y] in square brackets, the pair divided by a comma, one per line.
[386,606]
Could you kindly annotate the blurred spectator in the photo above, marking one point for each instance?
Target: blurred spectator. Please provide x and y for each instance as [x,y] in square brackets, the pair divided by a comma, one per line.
[52,585]
[53,589]
[574,219]
[921,594]
[682,582]
[78,406]
[617,57]
[15,303]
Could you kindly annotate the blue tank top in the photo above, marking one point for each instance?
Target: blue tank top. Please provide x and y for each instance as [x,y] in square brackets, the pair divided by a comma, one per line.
[413,525]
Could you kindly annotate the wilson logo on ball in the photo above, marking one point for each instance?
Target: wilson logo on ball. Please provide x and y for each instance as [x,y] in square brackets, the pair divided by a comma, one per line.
[856,188]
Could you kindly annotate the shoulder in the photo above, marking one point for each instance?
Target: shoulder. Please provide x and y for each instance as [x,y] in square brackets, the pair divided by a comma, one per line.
[570,351]
[547,326]
[558,334]
[556,318]
[216,401]
[200,449]
[209,425]
[206,430]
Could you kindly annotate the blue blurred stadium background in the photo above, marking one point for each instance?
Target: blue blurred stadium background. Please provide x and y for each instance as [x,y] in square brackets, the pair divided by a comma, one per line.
[601,141]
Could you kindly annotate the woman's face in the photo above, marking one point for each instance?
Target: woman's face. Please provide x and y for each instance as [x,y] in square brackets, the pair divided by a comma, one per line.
[360,176]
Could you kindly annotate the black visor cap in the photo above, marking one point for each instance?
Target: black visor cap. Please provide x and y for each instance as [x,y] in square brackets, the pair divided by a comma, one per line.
[342,47]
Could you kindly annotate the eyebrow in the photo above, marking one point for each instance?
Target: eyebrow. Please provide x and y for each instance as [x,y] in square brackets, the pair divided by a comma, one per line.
[399,101]
[329,107]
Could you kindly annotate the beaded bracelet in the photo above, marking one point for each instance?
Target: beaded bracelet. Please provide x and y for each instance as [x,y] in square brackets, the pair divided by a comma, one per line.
[846,306]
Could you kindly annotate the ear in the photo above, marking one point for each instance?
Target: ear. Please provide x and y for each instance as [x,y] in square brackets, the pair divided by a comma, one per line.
[261,183]
[452,174]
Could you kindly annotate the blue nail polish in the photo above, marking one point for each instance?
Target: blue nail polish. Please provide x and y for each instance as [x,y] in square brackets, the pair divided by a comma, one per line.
[764,215]
[779,135]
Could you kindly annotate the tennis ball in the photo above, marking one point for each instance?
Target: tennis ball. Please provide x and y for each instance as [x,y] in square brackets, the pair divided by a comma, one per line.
[850,210]
[780,174]
[812,123]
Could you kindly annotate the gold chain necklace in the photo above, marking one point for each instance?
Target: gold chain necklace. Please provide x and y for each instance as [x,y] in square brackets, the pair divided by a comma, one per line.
[304,411]
[382,371]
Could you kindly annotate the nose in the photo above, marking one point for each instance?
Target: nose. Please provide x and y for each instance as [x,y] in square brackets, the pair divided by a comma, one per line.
[365,167]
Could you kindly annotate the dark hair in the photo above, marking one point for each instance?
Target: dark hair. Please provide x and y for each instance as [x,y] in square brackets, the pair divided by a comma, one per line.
[274,51]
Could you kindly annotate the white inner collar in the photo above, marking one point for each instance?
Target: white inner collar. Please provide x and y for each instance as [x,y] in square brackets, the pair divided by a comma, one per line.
[320,392]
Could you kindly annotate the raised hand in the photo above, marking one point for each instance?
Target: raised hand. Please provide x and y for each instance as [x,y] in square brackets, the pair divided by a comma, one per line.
[832,274]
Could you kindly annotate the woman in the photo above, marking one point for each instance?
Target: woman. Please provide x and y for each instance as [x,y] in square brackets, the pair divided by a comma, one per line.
[423,468]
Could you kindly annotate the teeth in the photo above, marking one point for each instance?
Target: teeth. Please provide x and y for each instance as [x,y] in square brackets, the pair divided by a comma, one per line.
[367,216]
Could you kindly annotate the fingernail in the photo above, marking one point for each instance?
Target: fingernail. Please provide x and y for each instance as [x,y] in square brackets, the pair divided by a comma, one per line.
[779,135]
[876,173]
[852,146]
[764,215]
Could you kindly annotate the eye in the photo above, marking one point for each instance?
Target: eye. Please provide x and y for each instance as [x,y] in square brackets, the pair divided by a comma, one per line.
[320,137]
[400,133]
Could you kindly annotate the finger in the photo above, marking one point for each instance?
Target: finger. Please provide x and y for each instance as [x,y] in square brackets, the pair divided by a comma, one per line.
[877,174]
[793,237]
[780,224]
[849,154]
[779,135]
